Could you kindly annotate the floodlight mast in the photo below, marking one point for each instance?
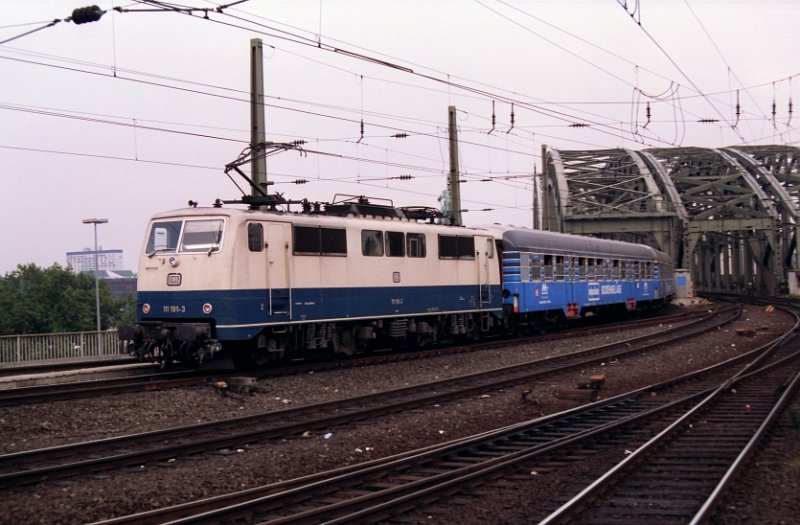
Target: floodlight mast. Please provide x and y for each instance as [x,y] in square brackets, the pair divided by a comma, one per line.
[95,222]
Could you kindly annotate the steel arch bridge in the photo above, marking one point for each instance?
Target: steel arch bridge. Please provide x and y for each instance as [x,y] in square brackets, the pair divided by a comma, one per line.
[729,215]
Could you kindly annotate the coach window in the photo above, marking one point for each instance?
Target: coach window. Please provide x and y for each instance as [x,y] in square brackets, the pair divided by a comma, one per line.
[415,244]
[255,237]
[580,274]
[372,243]
[536,268]
[548,267]
[559,272]
[395,244]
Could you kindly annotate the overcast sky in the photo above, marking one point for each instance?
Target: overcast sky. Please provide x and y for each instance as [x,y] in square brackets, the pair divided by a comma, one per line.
[139,112]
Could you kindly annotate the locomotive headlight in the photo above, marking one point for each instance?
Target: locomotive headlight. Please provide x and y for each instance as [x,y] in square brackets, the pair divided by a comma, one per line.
[173,261]
[207,308]
[145,308]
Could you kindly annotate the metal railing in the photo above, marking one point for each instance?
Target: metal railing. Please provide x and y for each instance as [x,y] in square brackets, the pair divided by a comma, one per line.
[36,347]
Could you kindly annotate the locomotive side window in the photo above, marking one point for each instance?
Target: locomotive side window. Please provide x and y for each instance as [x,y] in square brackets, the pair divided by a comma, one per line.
[255,237]
[202,236]
[372,243]
[311,240]
[452,247]
[306,240]
[415,244]
[395,244]
[333,241]
[163,237]
[466,247]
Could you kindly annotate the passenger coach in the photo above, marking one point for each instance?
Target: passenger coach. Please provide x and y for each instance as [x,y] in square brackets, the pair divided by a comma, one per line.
[552,275]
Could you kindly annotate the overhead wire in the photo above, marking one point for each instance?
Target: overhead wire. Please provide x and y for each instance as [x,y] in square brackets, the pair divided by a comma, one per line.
[680,70]
[306,41]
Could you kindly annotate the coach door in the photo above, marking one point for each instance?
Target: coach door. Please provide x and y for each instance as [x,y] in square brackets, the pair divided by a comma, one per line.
[278,259]
[485,252]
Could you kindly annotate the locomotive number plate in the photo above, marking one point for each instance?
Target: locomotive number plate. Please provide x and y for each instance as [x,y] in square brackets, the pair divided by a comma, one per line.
[173,279]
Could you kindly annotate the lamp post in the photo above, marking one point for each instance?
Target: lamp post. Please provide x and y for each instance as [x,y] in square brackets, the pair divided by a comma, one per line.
[96,269]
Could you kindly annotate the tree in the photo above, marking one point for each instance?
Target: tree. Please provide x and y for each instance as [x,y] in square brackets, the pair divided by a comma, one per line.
[42,300]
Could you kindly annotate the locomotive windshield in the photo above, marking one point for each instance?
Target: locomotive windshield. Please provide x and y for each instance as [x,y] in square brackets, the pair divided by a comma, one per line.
[184,236]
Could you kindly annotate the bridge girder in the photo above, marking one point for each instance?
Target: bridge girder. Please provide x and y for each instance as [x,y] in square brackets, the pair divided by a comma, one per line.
[730,215]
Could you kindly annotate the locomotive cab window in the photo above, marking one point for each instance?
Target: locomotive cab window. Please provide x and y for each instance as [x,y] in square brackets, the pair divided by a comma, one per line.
[163,237]
[372,243]
[201,236]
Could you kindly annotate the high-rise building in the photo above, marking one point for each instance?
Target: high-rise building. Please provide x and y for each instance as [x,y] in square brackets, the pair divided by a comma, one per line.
[89,260]
[108,266]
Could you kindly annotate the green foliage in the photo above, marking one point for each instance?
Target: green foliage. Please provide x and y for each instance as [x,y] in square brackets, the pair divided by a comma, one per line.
[43,300]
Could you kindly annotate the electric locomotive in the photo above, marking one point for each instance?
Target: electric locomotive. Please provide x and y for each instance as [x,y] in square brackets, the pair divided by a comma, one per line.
[269,285]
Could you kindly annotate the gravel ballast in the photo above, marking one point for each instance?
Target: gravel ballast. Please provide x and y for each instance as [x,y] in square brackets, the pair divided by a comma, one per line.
[119,492]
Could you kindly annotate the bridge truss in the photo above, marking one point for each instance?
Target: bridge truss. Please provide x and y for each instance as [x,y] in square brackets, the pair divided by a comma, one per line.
[730,215]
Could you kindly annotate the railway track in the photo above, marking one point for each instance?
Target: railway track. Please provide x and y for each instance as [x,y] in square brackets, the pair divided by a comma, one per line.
[36,465]
[387,488]
[680,474]
[7,370]
[97,387]
[183,378]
